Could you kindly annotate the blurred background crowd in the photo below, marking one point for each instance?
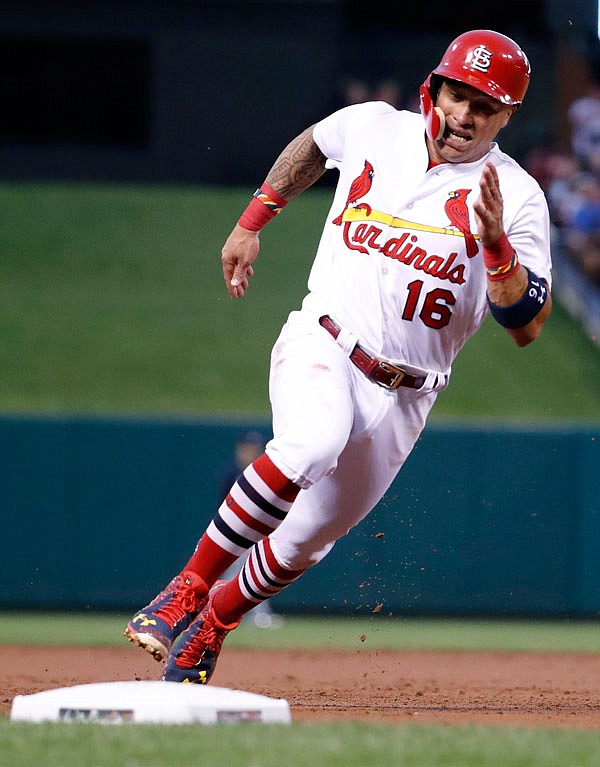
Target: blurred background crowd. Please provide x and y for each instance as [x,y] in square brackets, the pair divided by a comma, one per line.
[570,177]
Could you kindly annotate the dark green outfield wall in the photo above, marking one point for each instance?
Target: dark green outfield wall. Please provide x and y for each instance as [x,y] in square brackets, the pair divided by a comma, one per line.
[99,513]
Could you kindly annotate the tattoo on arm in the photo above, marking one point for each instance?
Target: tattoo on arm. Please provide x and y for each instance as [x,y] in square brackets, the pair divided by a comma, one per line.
[299,165]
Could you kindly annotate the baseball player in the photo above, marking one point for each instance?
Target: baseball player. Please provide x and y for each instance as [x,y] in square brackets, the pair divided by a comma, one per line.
[432,226]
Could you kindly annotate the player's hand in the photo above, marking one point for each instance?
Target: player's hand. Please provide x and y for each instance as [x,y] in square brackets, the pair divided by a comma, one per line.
[489,206]
[237,256]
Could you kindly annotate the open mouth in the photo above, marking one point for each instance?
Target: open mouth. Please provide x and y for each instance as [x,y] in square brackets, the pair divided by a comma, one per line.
[454,137]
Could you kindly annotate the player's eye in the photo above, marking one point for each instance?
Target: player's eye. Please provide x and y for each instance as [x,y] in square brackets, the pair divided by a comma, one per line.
[486,109]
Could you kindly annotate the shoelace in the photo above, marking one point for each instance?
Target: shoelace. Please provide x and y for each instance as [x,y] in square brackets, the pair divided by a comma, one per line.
[182,602]
[209,637]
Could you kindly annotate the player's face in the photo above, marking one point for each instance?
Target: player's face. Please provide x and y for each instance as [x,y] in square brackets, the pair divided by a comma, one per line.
[473,120]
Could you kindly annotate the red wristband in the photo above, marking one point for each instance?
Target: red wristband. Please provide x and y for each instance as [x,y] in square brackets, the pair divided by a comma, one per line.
[500,259]
[264,205]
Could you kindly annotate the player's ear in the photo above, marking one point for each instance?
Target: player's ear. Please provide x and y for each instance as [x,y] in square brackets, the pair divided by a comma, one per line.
[509,113]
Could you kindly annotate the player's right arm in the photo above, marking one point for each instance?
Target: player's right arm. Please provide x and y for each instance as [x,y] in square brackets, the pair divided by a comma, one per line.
[299,165]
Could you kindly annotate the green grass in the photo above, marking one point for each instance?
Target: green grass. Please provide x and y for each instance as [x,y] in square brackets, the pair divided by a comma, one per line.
[112,301]
[335,745]
[381,633]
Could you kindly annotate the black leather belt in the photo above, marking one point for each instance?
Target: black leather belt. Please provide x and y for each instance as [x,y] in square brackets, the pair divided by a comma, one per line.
[383,373]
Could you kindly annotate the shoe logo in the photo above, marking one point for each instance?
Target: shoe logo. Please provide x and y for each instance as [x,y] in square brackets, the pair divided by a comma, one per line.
[144,620]
[201,679]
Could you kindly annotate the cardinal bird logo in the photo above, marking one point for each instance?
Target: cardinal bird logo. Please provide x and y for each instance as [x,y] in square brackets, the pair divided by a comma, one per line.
[458,213]
[359,187]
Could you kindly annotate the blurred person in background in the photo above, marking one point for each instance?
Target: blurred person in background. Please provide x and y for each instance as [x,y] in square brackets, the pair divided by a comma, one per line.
[389,90]
[561,168]
[584,118]
[582,228]
[355,90]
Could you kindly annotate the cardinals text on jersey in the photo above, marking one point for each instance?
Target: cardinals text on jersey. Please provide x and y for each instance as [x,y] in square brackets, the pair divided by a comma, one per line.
[399,262]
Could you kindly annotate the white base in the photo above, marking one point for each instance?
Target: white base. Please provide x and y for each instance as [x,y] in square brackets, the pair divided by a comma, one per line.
[148,702]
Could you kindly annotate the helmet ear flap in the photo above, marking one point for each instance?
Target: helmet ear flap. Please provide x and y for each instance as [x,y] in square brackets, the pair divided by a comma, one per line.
[435,121]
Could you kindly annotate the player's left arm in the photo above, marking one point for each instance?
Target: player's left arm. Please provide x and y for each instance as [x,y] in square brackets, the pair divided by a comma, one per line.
[518,299]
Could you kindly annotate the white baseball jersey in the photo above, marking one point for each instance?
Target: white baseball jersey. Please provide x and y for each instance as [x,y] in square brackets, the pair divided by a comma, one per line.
[400,268]
[392,264]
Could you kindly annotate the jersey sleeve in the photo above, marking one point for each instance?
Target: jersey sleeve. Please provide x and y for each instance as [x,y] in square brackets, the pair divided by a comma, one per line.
[330,134]
[529,235]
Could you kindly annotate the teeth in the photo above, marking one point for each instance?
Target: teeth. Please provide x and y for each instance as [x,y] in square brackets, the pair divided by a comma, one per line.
[459,138]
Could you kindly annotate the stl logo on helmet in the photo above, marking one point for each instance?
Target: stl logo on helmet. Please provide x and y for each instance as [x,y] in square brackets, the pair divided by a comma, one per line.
[480,58]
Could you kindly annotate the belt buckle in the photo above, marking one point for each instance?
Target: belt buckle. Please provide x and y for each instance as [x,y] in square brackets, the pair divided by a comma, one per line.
[398,373]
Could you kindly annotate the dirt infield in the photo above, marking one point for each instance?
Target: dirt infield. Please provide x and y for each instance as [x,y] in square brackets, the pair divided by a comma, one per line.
[552,689]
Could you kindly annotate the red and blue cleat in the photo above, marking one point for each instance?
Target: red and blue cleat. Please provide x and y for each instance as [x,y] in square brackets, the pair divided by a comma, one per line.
[158,625]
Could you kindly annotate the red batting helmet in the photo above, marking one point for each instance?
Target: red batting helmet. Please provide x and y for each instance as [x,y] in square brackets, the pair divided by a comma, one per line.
[488,61]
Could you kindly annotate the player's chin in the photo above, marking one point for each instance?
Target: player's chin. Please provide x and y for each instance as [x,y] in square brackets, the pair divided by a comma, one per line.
[451,153]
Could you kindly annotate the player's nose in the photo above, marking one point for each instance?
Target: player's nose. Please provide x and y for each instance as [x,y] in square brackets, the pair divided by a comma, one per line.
[463,113]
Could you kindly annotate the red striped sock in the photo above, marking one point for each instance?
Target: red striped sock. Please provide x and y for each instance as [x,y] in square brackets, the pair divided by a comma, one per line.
[261,578]
[256,505]
[209,560]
